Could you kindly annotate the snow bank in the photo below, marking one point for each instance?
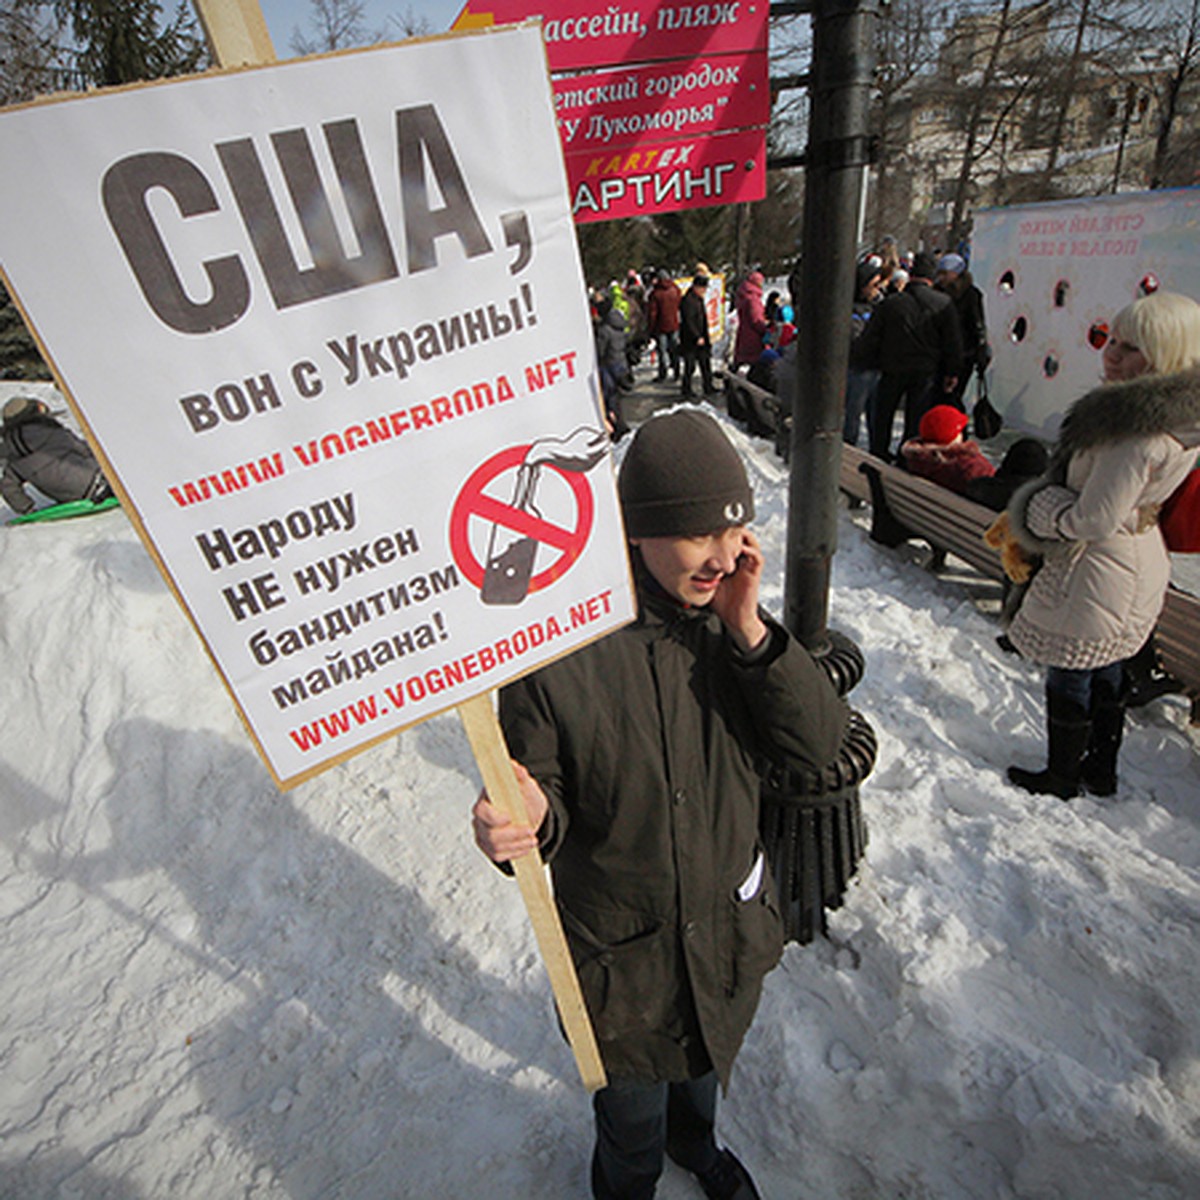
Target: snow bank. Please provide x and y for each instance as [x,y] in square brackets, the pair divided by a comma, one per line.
[211,990]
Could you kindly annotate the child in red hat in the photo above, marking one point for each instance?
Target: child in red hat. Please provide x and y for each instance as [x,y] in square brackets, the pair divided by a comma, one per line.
[942,454]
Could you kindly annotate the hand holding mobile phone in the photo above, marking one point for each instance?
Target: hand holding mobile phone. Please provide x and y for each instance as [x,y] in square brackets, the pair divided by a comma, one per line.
[736,601]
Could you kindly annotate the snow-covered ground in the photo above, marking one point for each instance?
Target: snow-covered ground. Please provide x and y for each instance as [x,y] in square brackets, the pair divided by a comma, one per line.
[210,990]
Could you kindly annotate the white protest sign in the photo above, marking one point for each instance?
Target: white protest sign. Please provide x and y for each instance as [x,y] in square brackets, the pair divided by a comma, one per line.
[326,321]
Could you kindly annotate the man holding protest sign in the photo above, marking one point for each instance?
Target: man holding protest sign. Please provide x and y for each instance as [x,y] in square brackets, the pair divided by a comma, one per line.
[636,760]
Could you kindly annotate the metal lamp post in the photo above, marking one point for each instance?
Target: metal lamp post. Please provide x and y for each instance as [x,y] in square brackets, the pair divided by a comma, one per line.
[812,822]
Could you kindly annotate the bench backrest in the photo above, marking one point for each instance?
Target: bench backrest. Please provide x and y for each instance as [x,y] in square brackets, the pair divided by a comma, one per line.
[1178,637]
[948,520]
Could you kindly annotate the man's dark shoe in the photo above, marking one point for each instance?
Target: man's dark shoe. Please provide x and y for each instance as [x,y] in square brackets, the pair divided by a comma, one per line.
[727,1179]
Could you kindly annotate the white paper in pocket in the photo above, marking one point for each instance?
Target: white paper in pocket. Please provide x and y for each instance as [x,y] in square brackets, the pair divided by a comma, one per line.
[750,885]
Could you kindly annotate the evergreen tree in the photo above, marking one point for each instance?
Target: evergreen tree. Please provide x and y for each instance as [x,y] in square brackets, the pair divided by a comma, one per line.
[708,236]
[670,245]
[54,44]
[123,41]
[19,357]
[695,235]
[775,224]
[609,248]
[28,52]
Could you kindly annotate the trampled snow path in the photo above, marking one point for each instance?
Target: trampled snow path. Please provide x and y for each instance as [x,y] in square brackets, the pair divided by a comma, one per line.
[210,990]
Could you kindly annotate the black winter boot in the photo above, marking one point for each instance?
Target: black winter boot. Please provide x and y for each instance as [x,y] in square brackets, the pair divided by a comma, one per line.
[1069,730]
[728,1179]
[1108,727]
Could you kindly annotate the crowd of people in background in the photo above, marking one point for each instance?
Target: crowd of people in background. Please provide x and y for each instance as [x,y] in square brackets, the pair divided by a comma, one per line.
[650,311]
[913,338]
[918,337]
[668,314]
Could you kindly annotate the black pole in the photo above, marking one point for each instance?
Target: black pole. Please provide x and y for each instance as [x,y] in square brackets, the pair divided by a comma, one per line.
[835,162]
[811,822]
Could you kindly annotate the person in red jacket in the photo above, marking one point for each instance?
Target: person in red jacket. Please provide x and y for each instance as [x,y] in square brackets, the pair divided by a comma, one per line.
[941,453]
[662,323]
[752,320]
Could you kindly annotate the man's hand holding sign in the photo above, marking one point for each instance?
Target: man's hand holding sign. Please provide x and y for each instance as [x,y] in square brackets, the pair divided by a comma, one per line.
[503,838]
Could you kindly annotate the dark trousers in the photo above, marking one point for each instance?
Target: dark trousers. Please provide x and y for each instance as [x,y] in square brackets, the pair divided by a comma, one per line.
[610,388]
[912,389]
[860,395]
[1084,687]
[1086,720]
[691,356]
[637,1122]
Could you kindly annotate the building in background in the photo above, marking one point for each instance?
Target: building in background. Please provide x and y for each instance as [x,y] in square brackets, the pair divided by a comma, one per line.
[1019,104]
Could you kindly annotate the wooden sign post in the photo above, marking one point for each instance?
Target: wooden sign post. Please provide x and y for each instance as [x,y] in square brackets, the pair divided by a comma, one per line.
[487,743]
[238,36]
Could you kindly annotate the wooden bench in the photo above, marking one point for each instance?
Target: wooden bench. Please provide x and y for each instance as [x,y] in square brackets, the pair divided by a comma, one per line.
[905,506]
[760,410]
[922,512]
[1177,636]
[853,481]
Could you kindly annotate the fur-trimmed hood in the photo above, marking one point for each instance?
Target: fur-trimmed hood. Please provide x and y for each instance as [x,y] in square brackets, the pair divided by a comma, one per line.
[1146,407]
[1142,407]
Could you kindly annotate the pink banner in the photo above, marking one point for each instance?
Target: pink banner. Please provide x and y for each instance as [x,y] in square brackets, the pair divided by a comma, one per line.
[663,101]
[657,177]
[594,33]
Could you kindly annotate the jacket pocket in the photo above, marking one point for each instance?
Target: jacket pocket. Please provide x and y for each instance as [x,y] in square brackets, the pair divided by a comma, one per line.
[757,941]
[626,966]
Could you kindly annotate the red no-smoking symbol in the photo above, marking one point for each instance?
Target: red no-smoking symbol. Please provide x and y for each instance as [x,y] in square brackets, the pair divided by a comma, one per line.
[474,501]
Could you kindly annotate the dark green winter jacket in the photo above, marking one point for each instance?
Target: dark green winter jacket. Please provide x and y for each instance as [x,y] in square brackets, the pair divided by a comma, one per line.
[645,743]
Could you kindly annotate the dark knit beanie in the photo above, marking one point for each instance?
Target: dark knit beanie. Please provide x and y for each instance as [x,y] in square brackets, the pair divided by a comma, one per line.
[924,265]
[681,477]
[863,274]
[1026,459]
